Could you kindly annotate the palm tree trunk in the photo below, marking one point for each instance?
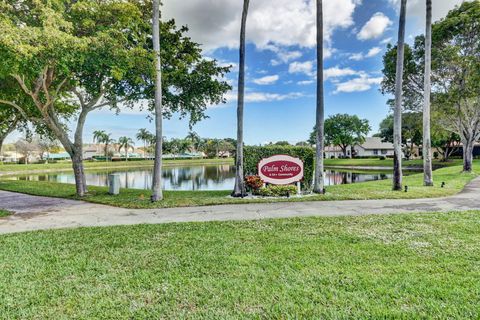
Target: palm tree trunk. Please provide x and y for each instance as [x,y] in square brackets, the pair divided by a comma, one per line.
[319,185]
[239,189]
[427,144]
[397,114]
[157,167]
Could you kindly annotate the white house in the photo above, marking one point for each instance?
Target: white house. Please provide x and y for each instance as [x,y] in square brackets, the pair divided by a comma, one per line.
[374,146]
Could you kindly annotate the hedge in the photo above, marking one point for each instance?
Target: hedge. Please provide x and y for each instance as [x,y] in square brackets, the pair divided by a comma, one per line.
[253,155]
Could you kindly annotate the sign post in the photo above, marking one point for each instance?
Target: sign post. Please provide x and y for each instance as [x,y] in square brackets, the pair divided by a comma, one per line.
[280,169]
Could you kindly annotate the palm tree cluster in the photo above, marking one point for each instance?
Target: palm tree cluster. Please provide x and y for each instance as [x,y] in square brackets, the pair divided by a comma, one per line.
[100,136]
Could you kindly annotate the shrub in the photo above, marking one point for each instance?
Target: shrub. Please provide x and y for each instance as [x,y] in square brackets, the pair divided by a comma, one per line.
[277,191]
[382,158]
[253,155]
[254,183]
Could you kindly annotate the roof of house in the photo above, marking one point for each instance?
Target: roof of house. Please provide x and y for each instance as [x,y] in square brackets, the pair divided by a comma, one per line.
[376,143]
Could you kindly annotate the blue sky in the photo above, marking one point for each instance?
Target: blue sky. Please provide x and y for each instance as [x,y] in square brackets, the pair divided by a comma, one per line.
[280,83]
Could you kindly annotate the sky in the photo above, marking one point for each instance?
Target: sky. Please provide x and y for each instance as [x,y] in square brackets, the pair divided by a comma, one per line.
[281,65]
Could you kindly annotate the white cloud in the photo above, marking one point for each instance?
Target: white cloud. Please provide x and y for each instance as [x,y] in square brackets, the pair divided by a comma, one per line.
[357,56]
[302,67]
[305,82]
[374,27]
[337,72]
[216,23]
[386,40]
[266,80]
[417,8]
[371,53]
[362,83]
[264,96]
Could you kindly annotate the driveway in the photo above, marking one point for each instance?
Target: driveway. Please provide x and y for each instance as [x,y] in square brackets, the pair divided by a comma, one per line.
[39,213]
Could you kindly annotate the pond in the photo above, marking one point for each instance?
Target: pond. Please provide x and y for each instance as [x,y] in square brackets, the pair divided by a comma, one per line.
[216,177]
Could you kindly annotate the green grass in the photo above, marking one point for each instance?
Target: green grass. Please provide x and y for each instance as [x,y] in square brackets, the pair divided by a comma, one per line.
[4,213]
[387,163]
[16,168]
[130,198]
[395,266]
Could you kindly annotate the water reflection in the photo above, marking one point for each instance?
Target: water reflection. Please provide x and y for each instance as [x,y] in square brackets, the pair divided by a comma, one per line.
[346,177]
[220,177]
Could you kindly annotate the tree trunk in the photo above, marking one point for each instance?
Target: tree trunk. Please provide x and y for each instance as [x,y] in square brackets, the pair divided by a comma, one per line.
[157,166]
[79,173]
[2,139]
[319,184]
[239,189]
[397,114]
[468,146]
[427,142]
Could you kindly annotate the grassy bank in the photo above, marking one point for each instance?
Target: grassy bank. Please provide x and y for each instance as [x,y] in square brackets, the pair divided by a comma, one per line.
[4,213]
[130,198]
[18,168]
[417,163]
[396,266]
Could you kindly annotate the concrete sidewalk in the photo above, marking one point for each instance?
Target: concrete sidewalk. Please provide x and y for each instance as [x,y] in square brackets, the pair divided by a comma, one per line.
[38,213]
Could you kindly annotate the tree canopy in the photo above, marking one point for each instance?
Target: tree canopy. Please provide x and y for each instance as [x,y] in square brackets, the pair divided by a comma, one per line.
[68,58]
[455,74]
[344,130]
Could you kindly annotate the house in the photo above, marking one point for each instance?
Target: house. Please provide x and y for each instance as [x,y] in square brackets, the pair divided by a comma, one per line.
[333,152]
[374,146]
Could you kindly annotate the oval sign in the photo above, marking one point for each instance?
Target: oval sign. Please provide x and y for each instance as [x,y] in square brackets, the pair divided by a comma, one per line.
[280,169]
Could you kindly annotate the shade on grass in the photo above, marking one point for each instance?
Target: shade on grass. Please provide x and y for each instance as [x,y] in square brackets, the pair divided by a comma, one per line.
[4,213]
[410,266]
[131,198]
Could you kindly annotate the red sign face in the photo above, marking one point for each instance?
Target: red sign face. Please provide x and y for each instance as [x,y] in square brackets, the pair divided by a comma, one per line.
[280,169]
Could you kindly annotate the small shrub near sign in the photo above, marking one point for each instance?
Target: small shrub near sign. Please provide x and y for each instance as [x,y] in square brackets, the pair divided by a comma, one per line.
[253,155]
[277,191]
[253,183]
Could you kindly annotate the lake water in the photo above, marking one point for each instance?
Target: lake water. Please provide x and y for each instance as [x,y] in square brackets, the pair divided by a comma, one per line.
[217,177]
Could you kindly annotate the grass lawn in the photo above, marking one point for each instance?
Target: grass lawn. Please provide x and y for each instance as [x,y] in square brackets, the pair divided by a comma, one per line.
[4,213]
[16,168]
[387,163]
[394,266]
[130,198]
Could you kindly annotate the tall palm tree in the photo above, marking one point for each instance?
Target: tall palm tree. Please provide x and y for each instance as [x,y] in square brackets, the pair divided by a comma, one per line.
[125,143]
[145,136]
[427,143]
[239,189]
[194,140]
[319,185]
[397,112]
[157,167]
[100,136]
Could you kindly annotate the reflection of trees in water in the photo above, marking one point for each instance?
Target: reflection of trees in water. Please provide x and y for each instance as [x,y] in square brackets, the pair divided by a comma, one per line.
[346,177]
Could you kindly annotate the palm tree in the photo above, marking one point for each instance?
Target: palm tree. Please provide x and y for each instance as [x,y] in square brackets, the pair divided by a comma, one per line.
[194,140]
[157,167]
[239,189]
[100,136]
[145,136]
[125,143]
[318,185]
[427,144]
[397,112]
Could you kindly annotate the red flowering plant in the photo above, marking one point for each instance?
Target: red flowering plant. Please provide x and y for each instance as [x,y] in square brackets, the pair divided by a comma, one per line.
[254,183]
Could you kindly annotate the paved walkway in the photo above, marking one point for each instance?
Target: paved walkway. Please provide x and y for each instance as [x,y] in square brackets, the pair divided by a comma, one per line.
[37,213]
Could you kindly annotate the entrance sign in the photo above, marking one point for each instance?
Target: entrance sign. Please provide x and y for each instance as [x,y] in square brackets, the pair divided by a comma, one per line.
[280,169]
